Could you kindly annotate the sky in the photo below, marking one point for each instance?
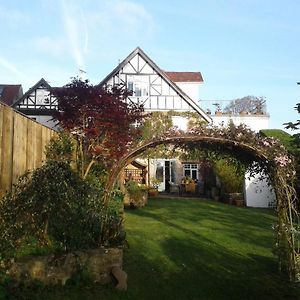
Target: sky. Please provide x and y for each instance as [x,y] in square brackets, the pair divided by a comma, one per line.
[241,47]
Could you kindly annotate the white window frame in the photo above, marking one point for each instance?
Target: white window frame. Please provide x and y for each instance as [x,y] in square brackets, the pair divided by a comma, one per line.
[139,85]
[191,168]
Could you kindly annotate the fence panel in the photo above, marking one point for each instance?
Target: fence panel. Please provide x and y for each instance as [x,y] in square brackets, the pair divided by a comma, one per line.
[22,145]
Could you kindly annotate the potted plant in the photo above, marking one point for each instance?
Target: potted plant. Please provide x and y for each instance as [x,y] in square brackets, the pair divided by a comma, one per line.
[137,194]
[153,189]
[232,182]
[218,111]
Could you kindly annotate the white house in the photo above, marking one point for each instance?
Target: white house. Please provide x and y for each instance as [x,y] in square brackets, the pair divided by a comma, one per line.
[157,90]
[161,90]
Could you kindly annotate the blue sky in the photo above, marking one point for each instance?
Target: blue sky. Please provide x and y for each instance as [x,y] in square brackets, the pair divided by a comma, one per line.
[244,47]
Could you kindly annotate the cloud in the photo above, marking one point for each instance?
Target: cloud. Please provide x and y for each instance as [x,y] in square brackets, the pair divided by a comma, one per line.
[73,29]
[94,29]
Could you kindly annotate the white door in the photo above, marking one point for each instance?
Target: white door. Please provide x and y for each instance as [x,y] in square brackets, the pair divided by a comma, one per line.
[160,174]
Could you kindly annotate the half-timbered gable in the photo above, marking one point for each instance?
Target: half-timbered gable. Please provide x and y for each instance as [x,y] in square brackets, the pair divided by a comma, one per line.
[37,100]
[151,86]
[38,103]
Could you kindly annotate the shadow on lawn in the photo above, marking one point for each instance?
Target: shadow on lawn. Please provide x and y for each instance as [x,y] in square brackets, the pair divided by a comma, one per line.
[203,271]
[249,227]
[195,266]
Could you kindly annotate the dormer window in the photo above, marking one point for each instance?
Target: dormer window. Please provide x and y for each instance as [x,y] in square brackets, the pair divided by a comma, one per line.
[138,85]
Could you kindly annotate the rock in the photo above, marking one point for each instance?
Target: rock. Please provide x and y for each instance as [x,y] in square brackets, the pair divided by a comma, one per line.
[51,269]
[121,277]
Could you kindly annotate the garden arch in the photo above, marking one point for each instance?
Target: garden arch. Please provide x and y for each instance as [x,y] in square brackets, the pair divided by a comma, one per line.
[270,156]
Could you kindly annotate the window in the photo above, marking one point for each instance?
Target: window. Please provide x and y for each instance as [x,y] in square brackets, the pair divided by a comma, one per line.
[138,85]
[190,170]
[130,86]
[159,172]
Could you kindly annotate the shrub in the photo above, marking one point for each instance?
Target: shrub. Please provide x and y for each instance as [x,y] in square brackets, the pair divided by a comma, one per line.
[52,209]
[231,179]
[60,147]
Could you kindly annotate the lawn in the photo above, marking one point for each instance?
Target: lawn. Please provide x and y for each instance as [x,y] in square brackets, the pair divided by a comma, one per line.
[191,249]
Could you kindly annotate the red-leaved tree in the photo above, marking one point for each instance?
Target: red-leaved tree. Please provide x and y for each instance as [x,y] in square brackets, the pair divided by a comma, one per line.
[101,119]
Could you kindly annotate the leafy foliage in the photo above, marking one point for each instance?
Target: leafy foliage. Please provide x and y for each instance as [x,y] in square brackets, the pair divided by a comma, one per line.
[231,179]
[294,125]
[60,147]
[101,120]
[250,104]
[54,209]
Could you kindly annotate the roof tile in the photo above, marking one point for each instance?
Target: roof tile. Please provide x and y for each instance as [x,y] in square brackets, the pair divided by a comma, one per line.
[10,93]
[185,76]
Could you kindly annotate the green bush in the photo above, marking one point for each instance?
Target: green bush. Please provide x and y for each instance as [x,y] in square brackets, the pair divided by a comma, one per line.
[231,179]
[60,147]
[54,209]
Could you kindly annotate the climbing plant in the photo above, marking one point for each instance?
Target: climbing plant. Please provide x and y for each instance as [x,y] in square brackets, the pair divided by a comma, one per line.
[263,155]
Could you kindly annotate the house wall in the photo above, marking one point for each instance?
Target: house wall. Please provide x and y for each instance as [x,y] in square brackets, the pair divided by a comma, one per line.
[258,193]
[180,122]
[255,122]
[45,120]
[191,89]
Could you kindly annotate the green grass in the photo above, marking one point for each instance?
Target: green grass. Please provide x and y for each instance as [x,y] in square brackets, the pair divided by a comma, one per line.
[192,249]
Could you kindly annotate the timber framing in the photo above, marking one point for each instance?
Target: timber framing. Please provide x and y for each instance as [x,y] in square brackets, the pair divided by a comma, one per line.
[38,100]
[156,75]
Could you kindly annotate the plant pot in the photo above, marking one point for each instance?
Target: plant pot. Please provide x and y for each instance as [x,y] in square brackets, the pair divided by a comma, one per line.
[153,192]
[233,197]
[239,202]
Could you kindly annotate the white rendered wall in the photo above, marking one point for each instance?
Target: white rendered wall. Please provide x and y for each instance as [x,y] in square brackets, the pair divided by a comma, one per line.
[258,193]
[45,120]
[255,122]
[180,122]
[191,89]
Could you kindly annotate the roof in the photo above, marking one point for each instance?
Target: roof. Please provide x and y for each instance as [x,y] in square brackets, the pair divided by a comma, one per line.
[41,82]
[139,51]
[9,93]
[185,76]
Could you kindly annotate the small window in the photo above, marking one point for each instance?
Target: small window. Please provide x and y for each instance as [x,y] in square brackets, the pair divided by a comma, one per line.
[130,86]
[139,85]
[190,170]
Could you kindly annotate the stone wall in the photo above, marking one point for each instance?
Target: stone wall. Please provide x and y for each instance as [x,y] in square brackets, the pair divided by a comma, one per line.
[57,269]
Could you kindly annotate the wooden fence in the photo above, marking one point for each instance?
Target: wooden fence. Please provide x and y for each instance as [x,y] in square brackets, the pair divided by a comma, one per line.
[22,145]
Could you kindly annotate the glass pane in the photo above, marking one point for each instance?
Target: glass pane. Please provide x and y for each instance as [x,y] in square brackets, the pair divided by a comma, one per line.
[194,174]
[130,86]
[138,92]
[173,171]
[187,173]
[159,172]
